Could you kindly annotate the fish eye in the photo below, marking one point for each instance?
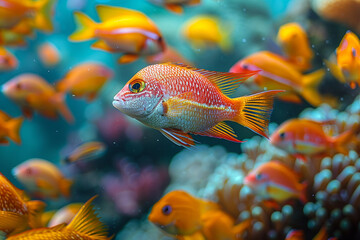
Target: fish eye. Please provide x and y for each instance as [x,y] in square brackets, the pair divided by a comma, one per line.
[259,176]
[245,66]
[282,135]
[166,209]
[28,171]
[137,86]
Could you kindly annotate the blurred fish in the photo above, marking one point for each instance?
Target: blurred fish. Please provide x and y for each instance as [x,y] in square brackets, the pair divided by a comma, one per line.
[16,213]
[169,55]
[206,31]
[295,235]
[275,181]
[65,214]
[38,12]
[305,137]
[86,151]
[178,213]
[347,67]
[121,30]
[276,73]
[7,60]
[11,39]
[48,54]
[178,99]
[175,6]
[85,80]
[31,92]
[295,44]
[42,178]
[9,128]
[85,225]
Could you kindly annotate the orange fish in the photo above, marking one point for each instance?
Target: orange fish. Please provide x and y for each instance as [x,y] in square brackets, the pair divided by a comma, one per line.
[347,67]
[42,178]
[186,217]
[295,44]
[275,181]
[16,213]
[276,73]
[305,137]
[175,6]
[9,128]
[7,60]
[85,80]
[86,151]
[207,31]
[178,99]
[121,30]
[39,12]
[65,214]
[48,54]
[85,225]
[32,92]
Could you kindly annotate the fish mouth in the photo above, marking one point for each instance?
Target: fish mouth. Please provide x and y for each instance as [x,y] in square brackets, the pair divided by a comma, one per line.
[117,103]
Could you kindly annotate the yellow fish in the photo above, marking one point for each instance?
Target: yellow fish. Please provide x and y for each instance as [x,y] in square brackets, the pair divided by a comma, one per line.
[207,31]
[85,225]
[9,128]
[121,30]
[16,213]
[42,178]
[86,151]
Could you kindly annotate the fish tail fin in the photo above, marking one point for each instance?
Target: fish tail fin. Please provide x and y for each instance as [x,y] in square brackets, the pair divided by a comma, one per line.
[344,138]
[43,15]
[86,220]
[254,111]
[65,187]
[310,90]
[61,106]
[303,193]
[85,28]
[36,209]
[14,129]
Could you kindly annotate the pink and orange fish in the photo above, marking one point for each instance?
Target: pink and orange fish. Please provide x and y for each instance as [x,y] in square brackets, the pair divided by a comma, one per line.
[305,137]
[16,212]
[33,93]
[121,30]
[274,181]
[180,100]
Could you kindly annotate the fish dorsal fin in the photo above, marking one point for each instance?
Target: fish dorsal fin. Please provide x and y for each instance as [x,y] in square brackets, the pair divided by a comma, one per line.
[87,222]
[107,13]
[221,130]
[227,82]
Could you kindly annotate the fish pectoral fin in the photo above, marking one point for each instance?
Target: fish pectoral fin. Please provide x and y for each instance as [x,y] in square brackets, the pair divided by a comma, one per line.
[102,45]
[128,58]
[335,71]
[175,106]
[107,13]
[175,8]
[290,97]
[178,137]
[11,220]
[221,130]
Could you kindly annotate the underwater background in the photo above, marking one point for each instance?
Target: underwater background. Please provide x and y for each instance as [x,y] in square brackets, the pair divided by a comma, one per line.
[140,165]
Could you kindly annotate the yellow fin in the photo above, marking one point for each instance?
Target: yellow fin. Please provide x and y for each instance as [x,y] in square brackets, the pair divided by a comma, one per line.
[12,220]
[36,209]
[178,137]
[85,28]
[128,58]
[87,222]
[107,13]
[14,129]
[221,130]
[43,15]
[225,81]
[102,45]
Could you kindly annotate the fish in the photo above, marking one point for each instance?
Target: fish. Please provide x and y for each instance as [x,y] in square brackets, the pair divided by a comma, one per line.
[179,100]
[86,151]
[7,60]
[16,212]
[347,66]
[85,225]
[306,137]
[204,31]
[42,178]
[32,93]
[276,73]
[10,128]
[168,55]
[120,30]
[65,214]
[175,6]
[180,214]
[274,181]
[295,44]
[85,80]
[39,13]
[48,54]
